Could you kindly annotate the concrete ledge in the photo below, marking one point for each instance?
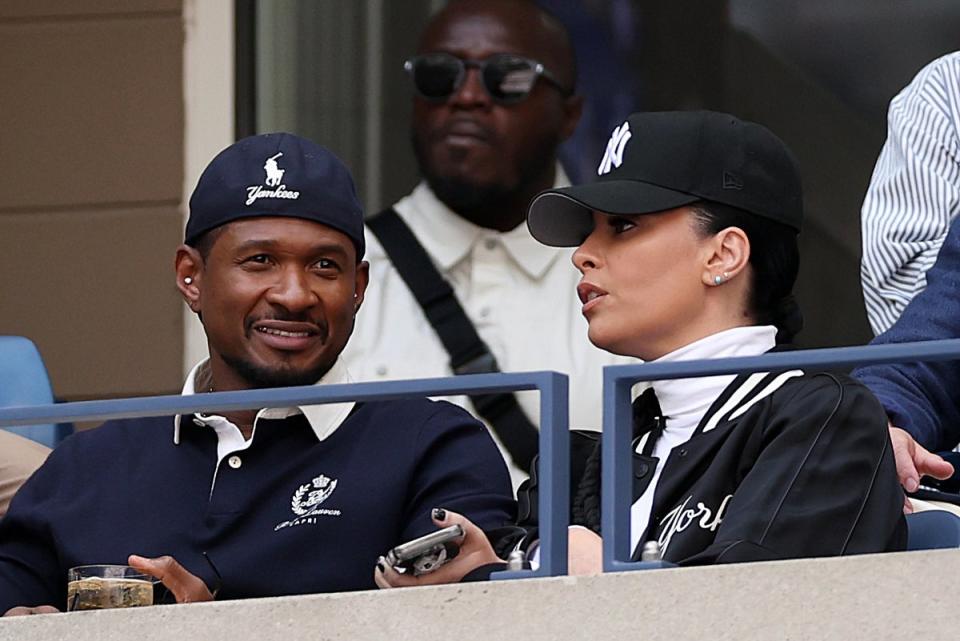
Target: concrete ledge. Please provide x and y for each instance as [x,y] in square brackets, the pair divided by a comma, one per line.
[890,596]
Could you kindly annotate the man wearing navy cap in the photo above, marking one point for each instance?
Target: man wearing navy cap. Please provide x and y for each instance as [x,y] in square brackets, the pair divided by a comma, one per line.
[269,502]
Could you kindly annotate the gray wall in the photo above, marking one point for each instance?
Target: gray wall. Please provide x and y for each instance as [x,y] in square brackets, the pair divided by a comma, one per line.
[874,597]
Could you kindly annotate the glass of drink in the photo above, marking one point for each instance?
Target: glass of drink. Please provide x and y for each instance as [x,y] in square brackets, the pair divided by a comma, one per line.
[97,587]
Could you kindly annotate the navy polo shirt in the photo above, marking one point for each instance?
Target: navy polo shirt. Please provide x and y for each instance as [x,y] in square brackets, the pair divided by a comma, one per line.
[290,514]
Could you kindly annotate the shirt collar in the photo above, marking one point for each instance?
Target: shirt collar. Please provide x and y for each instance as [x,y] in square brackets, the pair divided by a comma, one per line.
[449,238]
[323,419]
[682,396]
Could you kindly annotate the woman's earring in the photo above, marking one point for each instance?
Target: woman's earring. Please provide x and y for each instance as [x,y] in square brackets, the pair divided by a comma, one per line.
[717,279]
[187,280]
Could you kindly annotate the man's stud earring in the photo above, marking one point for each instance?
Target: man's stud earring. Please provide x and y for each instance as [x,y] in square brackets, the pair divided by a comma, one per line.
[187,280]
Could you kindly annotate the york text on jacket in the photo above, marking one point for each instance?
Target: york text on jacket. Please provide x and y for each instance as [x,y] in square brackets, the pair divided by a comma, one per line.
[681,517]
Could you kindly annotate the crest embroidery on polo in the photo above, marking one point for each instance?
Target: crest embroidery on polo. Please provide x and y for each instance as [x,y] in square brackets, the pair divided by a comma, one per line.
[613,156]
[306,502]
[274,179]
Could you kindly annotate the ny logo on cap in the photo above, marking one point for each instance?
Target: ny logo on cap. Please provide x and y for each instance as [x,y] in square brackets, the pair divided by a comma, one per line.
[613,156]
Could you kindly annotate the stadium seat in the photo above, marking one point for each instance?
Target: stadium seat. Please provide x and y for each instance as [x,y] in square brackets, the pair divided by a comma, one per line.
[933,530]
[24,381]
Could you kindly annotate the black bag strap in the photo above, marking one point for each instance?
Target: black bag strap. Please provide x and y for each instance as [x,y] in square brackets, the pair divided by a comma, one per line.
[468,353]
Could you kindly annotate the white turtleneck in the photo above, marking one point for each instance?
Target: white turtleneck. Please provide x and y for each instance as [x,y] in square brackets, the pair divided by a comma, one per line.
[684,401]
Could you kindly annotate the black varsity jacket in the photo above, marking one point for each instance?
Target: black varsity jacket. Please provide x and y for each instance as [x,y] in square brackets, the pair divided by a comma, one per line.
[782,465]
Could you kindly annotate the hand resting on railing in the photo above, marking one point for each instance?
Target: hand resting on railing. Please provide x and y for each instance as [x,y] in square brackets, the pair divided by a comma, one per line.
[914,461]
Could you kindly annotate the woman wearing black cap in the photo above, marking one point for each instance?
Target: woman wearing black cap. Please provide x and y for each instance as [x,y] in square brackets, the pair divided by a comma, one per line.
[687,244]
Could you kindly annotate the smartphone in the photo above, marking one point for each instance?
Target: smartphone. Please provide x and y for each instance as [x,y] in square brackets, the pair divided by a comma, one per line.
[426,553]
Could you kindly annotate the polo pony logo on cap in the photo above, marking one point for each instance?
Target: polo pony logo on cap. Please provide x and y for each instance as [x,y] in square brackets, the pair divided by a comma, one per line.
[613,156]
[274,179]
[274,173]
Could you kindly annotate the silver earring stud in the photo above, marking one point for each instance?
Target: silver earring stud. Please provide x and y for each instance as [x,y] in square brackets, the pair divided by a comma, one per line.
[717,279]
[187,280]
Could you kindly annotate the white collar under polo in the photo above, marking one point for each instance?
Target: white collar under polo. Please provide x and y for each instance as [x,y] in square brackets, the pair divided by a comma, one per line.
[323,419]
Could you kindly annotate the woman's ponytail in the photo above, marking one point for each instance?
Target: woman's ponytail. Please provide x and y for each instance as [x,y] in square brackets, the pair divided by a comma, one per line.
[787,318]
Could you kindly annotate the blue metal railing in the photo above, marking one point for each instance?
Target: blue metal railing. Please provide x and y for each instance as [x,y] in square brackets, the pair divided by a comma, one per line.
[617,458]
[554,428]
[554,469]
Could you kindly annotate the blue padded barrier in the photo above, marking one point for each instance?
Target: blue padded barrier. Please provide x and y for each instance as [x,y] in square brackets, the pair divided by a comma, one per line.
[554,429]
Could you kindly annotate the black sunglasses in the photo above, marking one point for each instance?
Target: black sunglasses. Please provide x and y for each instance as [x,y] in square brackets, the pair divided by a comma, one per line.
[507,78]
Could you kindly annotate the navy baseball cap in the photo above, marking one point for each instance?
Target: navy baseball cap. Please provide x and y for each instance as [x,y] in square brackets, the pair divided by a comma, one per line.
[663,160]
[277,174]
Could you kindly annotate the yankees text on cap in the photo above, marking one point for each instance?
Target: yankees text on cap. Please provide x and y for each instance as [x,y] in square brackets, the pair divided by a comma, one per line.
[277,174]
[662,160]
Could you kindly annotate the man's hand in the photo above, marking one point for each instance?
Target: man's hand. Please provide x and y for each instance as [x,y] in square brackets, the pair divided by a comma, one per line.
[185,587]
[914,461]
[475,551]
[22,610]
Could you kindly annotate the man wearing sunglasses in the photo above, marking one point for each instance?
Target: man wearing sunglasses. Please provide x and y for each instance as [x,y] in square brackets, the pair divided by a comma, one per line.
[493,84]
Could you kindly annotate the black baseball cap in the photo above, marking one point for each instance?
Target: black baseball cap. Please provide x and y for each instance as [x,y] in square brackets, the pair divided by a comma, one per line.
[276,174]
[662,160]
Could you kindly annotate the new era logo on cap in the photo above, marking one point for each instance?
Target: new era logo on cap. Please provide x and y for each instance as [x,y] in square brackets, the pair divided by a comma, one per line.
[613,156]
[732,180]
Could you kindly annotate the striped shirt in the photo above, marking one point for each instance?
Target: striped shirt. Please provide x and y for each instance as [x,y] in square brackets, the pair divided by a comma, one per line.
[914,193]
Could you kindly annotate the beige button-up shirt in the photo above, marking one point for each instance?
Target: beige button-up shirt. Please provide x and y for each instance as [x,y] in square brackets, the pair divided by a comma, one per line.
[19,459]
